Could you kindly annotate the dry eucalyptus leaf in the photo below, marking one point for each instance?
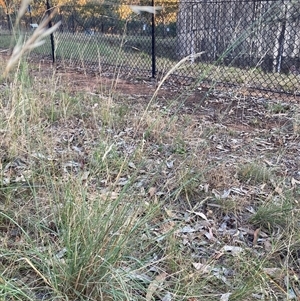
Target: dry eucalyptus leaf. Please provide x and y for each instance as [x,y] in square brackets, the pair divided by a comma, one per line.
[209,235]
[109,195]
[256,235]
[154,285]
[85,176]
[138,276]
[122,181]
[61,253]
[170,213]
[202,267]
[274,272]
[233,250]
[167,297]
[187,229]
[170,164]
[202,215]
[152,191]
[225,297]
[132,165]
[226,194]
[279,191]
[268,245]
[294,182]
[216,193]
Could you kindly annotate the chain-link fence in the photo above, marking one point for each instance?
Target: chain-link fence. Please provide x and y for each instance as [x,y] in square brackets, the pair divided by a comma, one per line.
[93,35]
[250,44]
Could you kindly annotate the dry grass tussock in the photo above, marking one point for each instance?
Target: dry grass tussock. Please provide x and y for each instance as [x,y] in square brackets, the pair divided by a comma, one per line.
[103,197]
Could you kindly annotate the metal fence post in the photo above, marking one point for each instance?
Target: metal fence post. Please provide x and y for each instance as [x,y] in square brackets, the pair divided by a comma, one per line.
[30,15]
[51,35]
[8,18]
[153,41]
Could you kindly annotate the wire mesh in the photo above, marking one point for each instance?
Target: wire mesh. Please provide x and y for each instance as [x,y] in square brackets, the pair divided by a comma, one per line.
[248,44]
[88,34]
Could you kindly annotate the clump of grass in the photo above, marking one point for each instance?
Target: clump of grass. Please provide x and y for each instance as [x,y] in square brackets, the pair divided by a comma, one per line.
[228,205]
[296,123]
[273,214]
[189,185]
[98,234]
[179,146]
[254,173]
[276,108]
